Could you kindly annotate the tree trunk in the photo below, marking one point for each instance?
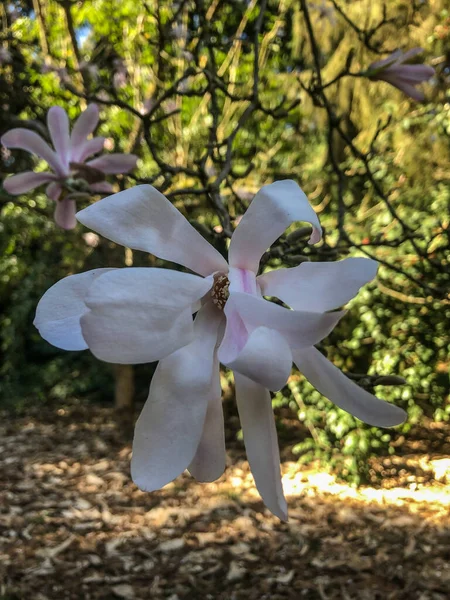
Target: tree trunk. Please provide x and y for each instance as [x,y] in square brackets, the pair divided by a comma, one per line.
[124,395]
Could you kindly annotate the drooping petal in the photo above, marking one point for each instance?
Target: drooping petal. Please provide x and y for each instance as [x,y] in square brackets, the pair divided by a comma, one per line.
[60,309]
[58,127]
[32,142]
[272,210]
[261,444]
[341,390]
[140,315]
[102,187]
[143,219]
[53,191]
[169,429]
[301,329]
[318,286]
[65,210]
[209,461]
[87,148]
[265,358]
[112,164]
[83,126]
[412,73]
[24,182]
[405,87]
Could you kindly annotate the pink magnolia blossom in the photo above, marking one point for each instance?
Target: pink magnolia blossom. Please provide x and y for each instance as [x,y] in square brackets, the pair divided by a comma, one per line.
[140,315]
[67,160]
[396,70]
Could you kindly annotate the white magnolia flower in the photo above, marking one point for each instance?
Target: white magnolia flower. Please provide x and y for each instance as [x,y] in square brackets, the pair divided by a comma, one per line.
[140,315]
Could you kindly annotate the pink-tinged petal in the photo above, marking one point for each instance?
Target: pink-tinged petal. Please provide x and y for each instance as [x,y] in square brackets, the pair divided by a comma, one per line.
[341,390]
[385,62]
[103,187]
[209,461]
[413,74]
[261,444]
[111,164]
[301,329]
[83,126]
[143,219]
[58,127]
[87,148]
[32,142]
[409,54]
[24,182]
[405,87]
[265,358]
[60,309]
[64,214]
[169,429]
[139,315]
[317,286]
[53,191]
[274,208]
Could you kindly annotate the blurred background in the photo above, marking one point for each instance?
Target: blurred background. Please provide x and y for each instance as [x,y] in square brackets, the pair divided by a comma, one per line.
[216,99]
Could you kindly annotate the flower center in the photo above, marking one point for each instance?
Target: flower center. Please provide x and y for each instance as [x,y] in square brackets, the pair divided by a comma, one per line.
[220,292]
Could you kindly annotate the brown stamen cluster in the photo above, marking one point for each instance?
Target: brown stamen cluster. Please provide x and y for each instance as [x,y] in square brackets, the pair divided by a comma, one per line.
[219,292]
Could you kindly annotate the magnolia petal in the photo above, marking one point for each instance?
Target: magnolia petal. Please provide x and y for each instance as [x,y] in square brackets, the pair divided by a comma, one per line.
[318,286]
[139,315]
[53,191]
[169,428]
[102,187]
[272,210]
[24,182]
[261,444]
[60,309]
[87,148]
[414,74]
[343,392]
[58,127]
[266,357]
[301,329]
[143,219]
[411,53]
[112,164]
[83,126]
[32,142]
[209,461]
[64,214]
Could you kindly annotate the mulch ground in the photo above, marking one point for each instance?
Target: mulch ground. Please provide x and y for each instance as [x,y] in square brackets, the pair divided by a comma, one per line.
[73,525]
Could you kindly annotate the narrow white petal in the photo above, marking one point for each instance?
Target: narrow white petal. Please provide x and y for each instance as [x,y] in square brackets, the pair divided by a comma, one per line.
[343,392]
[261,444]
[272,210]
[318,286]
[61,307]
[143,219]
[140,315]
[169,429]
[209,461]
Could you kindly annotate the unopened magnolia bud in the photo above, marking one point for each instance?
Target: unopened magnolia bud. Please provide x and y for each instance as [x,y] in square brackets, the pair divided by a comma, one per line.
[298,234]
[390,380]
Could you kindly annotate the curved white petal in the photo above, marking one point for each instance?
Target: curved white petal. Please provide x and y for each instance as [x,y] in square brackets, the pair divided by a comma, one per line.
[143,219]
[318,286]
[139,315]
[58,127]
[266,357]
[272,210]
[112,164]
[209,461]
[261,443]
[341,390]
[301,329]
[26,181]
[169,428]
[32,142]
[61,307]
[65,210]
[83,126]
[87,148]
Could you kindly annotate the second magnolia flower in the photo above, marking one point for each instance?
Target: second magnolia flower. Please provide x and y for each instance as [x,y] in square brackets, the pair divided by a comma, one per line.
[140,315]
